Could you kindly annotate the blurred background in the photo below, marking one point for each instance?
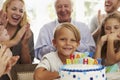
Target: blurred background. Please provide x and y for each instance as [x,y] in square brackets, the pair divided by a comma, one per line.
[42,11]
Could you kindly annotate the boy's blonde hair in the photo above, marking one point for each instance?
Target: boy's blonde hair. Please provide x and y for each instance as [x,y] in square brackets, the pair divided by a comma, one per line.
[6,5]
[69,26]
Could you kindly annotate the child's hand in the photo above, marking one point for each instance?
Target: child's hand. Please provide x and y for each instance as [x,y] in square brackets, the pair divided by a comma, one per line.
[103,39]
[114,36]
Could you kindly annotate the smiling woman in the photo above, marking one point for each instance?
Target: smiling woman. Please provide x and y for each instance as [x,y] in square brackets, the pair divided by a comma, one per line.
[17,18]
[16,15]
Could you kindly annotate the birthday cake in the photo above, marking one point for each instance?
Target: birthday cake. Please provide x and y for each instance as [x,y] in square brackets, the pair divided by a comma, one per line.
[82,68]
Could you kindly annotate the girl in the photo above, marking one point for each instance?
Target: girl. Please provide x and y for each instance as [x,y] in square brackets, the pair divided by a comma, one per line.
[108,45]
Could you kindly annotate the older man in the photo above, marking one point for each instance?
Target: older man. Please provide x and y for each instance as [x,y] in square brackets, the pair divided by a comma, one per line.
[64,8]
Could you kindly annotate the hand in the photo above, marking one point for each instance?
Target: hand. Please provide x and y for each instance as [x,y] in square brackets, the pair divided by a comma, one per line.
[27,34]
[3,20]
[20,34]
[103,39]
[100,17]
[114,36]
[13,60]
[3,60]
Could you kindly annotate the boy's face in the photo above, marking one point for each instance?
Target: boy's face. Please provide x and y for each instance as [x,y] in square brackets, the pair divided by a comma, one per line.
[112,25]
[65,42]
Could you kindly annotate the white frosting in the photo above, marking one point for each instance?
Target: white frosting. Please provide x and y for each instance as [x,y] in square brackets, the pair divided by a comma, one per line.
[81,67]
[82,72]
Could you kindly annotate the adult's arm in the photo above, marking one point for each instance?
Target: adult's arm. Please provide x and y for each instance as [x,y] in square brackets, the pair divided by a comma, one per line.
[27,51]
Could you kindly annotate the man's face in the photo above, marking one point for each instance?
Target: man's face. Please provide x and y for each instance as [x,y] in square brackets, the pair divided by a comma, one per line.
[63,10]
[111,5]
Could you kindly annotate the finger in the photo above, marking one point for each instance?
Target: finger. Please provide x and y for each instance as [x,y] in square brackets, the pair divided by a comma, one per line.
[2,17]
[5,20]
[6,58]
[8,67]
[14,60]
[99,16]
[2,50]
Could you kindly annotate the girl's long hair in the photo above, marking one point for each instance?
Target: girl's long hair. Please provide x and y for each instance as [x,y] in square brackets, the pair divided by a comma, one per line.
[115,15]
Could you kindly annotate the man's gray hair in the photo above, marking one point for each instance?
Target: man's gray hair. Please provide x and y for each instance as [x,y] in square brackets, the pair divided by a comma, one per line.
[71,1]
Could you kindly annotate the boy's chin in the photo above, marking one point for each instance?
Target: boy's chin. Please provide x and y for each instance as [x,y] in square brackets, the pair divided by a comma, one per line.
[67,54]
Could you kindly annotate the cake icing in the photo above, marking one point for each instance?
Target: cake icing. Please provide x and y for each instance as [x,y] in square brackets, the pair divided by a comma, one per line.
[82,69]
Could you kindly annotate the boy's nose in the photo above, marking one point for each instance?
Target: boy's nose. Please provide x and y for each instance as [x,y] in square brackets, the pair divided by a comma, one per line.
[67,42]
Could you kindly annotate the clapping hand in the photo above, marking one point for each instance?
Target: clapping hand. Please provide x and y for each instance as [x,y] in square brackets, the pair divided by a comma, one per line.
[100,17]
[27,34]
[3,59]
[3,20]
[6,62]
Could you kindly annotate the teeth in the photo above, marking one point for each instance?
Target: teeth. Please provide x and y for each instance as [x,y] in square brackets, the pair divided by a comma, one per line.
[68,48]
[108,3]
[15,16]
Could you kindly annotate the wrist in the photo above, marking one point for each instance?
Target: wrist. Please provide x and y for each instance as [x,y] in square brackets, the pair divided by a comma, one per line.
[14,41]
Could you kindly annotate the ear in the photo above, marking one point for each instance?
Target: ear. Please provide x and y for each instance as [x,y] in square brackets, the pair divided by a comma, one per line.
[54,42]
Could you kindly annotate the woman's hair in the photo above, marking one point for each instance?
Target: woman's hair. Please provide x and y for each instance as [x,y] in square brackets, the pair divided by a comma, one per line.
[69,26]
[115,15]
[6,5]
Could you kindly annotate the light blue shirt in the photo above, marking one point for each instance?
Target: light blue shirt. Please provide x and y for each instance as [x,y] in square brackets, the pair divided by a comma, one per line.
[44,41]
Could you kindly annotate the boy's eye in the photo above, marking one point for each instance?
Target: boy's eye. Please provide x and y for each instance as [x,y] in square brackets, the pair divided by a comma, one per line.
[73,40]
[62,39]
